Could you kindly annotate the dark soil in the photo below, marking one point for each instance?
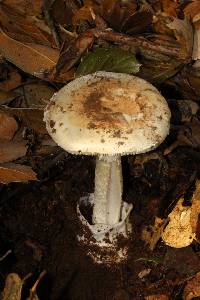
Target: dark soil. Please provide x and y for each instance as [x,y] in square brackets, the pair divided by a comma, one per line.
[39,224]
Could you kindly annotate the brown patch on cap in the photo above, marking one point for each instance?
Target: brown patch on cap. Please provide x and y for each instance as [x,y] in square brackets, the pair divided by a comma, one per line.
[105,104]
[120,143]
[51,123]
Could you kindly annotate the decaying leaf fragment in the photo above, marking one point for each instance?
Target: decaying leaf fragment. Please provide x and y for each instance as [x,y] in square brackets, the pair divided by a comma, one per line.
[152,234]
[183,221]
[14,284]
[179,232]
[12,81]
[70,55]
[6,97]
[192,288]
[8,126]
[13,287]
[30,117]
[37,95]
[12,150]
[10,172]
[188,135]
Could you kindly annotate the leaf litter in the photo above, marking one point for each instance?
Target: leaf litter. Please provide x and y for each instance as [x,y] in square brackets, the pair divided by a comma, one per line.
[44,45]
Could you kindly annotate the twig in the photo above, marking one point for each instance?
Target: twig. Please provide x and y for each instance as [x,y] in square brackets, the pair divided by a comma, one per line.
[136,42]
[27,277]
[5,255]
[33,289]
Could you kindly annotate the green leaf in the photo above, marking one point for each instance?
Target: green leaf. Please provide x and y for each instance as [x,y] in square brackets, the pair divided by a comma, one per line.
[110,60]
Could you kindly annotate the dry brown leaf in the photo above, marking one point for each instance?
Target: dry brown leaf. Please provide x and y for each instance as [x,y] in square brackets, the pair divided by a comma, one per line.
[117,12]
[70,55]
[83,14]
[12,150]
[184,34]
[24,28]
[192,9]
[62,11]
[34,59]
[38,94]
[30,117]
[10,172]
[7,96]
[187,82]
[170,7]
[12,82]
[192,288]
[196,46]
[28,7]
[8,126]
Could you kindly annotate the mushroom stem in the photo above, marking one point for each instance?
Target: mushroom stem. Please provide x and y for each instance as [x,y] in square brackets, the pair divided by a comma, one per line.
[108,190]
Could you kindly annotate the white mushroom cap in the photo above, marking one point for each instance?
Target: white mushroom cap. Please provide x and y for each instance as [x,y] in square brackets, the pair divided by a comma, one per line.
[108,113]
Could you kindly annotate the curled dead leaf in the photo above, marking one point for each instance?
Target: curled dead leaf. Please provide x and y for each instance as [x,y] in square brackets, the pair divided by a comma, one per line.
[184,34]
[10,172]
[8,126]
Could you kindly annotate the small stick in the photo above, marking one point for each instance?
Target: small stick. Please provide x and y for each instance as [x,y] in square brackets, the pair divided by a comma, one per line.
[136,42]
[5,255]
[33,289]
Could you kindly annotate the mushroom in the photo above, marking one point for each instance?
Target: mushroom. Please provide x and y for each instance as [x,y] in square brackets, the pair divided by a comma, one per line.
[108,115]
